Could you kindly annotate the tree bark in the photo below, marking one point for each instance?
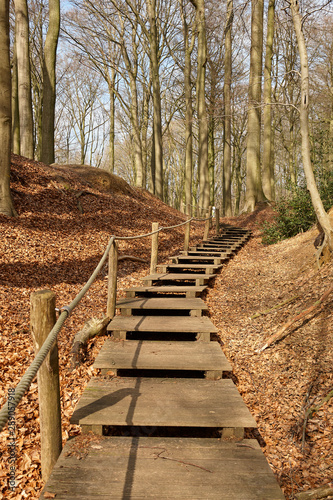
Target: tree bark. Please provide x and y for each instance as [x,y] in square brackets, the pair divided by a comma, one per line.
[267,164]
[201,105]
[188,48]
[321,214]
[15,105]
[227,206]
[157,117]
[49,82]
[254,192]
[6,205]
[24,79]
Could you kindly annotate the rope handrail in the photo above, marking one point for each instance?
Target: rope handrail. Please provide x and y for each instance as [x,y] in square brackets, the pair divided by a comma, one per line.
[37,362]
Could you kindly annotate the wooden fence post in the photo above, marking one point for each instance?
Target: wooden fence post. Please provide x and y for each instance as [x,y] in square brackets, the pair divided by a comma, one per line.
[210,213]
[112,280]
[187,236]
[217,221]
[42,320]
[154,248]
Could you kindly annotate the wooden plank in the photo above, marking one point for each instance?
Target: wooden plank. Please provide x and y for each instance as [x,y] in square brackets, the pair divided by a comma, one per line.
[162,303]
[177,259]
[207,268]
[161,324]
[161,402]
[124,468]
[189,291]
[148,355]
[177,276]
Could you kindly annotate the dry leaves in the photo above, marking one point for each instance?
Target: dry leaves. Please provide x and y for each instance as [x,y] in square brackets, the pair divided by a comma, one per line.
[52,245]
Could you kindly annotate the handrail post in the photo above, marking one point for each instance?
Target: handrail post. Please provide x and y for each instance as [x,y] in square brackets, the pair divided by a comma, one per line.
[42,320]
[112,280]
[217,221]
[210,213]
[187,236]
[154,248]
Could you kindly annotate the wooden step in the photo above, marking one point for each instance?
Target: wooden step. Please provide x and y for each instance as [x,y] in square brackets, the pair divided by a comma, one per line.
[199,279]
[211,253]
[179,356]
[162,402]
[207,268]
[193,306]
[124,468]
[202,326]
[166,291]
[177,259]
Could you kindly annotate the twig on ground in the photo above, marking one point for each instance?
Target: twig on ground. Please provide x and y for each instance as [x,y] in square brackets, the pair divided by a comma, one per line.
[280,334]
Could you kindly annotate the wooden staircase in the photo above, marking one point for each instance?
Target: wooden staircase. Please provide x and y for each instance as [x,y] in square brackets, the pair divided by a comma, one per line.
[167,419]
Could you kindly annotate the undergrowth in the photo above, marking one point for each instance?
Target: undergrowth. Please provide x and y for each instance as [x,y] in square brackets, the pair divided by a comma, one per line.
[295,213]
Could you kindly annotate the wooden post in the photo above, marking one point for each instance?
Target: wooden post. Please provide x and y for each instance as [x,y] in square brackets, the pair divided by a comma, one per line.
[217,221]
[154,248]
[187,236]
[206,231]
[210,213]
[42,320]
[112,280]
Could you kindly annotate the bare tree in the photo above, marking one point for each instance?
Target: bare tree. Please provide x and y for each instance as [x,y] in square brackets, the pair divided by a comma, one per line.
[268,155]
[49,82]
[204,192]
[24,80]
[321,214]
[227,207]
[254,192]
[6,205]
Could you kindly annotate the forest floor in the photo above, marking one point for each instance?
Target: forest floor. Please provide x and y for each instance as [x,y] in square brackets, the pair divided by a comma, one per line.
[62,229]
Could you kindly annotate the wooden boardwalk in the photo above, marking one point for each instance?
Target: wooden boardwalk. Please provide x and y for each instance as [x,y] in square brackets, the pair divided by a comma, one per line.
[164,419]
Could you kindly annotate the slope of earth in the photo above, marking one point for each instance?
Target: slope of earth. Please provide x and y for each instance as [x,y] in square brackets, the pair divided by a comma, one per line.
[62,229]
[281,383]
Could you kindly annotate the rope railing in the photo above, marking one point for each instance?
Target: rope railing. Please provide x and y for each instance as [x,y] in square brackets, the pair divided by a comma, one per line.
[65,312]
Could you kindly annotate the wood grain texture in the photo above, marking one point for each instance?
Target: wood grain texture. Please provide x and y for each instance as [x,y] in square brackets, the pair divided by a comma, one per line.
[125,468]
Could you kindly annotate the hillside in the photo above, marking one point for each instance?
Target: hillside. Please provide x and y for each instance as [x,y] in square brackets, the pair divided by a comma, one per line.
[62,229]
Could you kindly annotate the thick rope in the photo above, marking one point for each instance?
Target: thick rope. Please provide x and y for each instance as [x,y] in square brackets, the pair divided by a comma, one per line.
[31,372]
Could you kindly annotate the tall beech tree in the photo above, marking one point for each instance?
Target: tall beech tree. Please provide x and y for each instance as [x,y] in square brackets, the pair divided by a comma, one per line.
[268,154]
[254,192]
[24,78]
[49,82]
[321,214]
[6,205]
[204,191]
[227,207]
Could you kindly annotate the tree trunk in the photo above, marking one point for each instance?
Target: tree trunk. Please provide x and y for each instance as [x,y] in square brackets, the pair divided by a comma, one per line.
[15,104]
[112,83]
[188,111]
[6,206]
[211,156]
[151,5]
[254,192]
[267,166]
[201,104]
[322,216]
[49,82]
[24,80]
[227,206]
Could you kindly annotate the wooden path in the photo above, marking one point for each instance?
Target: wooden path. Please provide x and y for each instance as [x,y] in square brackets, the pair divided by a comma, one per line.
[167,420]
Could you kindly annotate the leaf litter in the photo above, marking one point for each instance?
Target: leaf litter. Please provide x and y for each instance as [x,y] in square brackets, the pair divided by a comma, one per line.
[51,244]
